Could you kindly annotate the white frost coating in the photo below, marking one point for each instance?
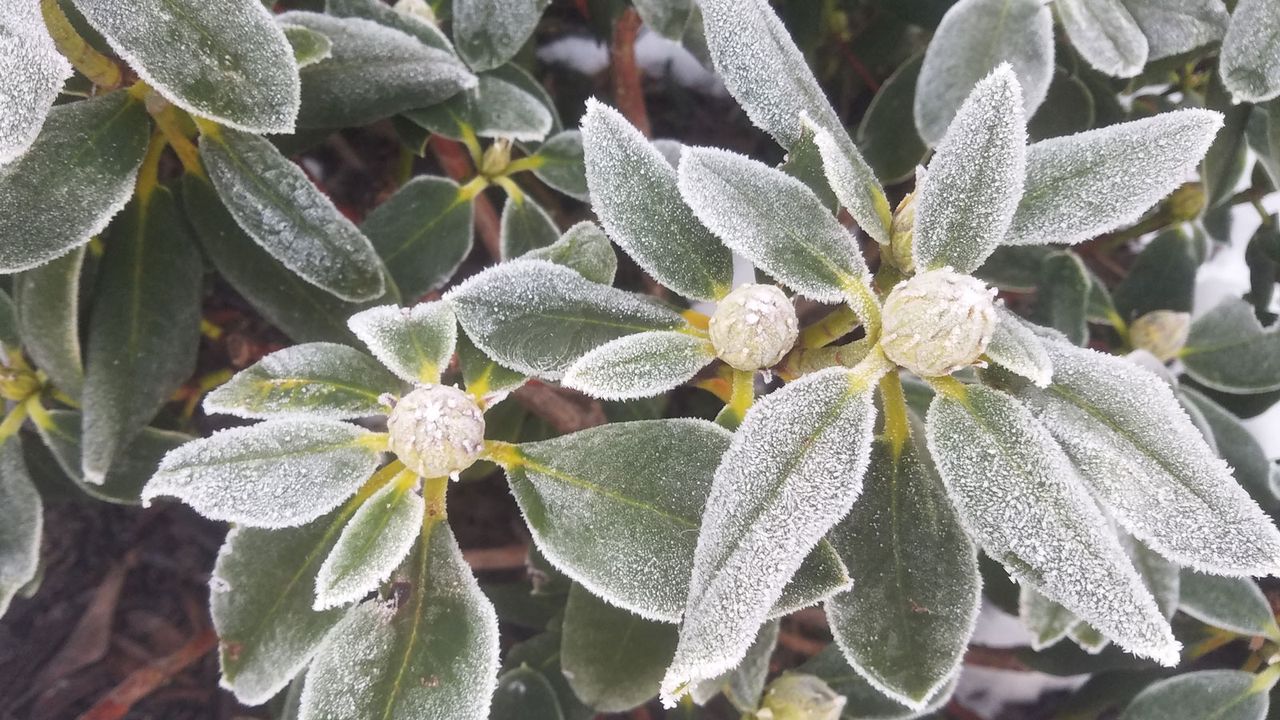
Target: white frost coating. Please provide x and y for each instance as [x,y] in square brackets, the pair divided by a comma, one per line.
[525,226]
[849,180]
[754,327]
[504,110]
[773,220]
[414,343]
[585,248]
[488,33]
[967,200]
[1229,350]
[371,546]
[670,149]
[973,38]
[31,73]
[1235,604]
[1176,26]
[634,192]
[640,365]
[23,524]
[1163,578]
[1048,621]
[1015,348]
[1250,59]
[276,474]
[794,468]
[227,61]
[1106,35]
[938,322]
[1020,497]
[1142,456]
[436,431]
[1083,185]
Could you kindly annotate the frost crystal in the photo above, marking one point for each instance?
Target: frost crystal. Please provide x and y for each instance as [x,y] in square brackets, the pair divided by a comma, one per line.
[938,322]
[436,430]
[373,544]
[1250,60]
[1106,35]
[1048,621]
[414,343]
[754,327]
[1016,348]
[640,365]
[31,73]
[853,182]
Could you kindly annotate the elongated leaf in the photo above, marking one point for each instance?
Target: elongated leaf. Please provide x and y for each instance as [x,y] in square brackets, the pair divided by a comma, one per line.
[640,365]
[849,177]
[1124,430]
[75,177]
[1227,159]
[773,220]
[433,655]
[614,659]
[317,380]
[527,694]
[275,203]
[48,299]
[1106,35]
[1237,445]
[422,233]
[1201,695]
[32,72]
[488,33]
[585,248]
[887,134]
[1081,186]
[1250,61]
[975,37]
[1161,576]
[309,46]
[906,623]
[1018,494]
[1063,299]
[967,200]
[793,470]
[379,537]
[563,164]
[743,685]
[10,341]
[23,525]
[414,343]
[144,327]
[1016,348]
[864,702]
[373,71]
[280,473]
[1229,350]
[480,374]
[634,192]
[1235,604]
[525,226]
[132,469]
[1173,27]
[493,108]
[403,19]
[1048,621]
[538,318]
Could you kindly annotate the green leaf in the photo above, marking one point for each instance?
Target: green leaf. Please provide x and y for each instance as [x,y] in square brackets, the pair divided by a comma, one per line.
[668,18]
[906,623]
[1068,108]
[887,134]
[481,375]
[635,194]
[1201,695]
[1173,27]
[422,233]
[1162,277]
[373,72]
[1161,575]
[1014,267]
[276,474]
[794,468]
[773,220]
[1238,446]
[379,537]
[1063,299]
[1048,621]
[803,162]
[864,702]
[1229,350]
[585,248]
[34,73]
[542,654]
[563,164]
[1105,34]
[277,205]
[75,177]
[227,61]
[525,694]
[640,365]
[1250,61]
[23,525]
[849,176]
[538,318]
[1224,163]
[525,226]
[974,38]
[309,46]
[10,339]
[494,108]
[488,33]
[432,655]
[48,300]
[743,685]
[322,380]
[1019,496]
[132,469]
[614,659]
[143,329]
[1235,604]
[402,19]
[414,343]
[968,198]
[1016,348]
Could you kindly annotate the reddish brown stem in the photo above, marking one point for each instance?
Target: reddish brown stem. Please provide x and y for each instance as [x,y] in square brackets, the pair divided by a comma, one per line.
[566,412]
[146,680]
[500,558]
[995,658]
[628,90]
[457,165]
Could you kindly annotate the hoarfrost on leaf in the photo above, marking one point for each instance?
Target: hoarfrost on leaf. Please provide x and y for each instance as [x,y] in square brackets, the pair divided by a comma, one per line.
[1230,351]
[1048,621]
[640,365]
[1017,349]
[494,108]
[1250,59]
[585,248]
[488,33]
[422,233]
[21,532]
[414,343]
[1173,27]
[403,17]
[32,72]
[525,226]
[1105,34]
[380,535]
[850,179]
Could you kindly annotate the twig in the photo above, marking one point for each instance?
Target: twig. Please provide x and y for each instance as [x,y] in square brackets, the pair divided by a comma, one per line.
[800,644]
[499,558]
[628,90]
[567,412]
[145,680]
[457,165]
[995,658]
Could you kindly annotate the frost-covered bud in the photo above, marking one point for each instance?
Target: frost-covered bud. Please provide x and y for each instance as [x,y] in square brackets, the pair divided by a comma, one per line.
[796,696]
[417,8]
[1187,202]
[901,233]
[496,158]
[938,322]
[1162,333]
[754,327]
[436,430]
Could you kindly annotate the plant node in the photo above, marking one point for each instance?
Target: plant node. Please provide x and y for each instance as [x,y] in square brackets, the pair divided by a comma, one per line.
[436,430]
[754,327]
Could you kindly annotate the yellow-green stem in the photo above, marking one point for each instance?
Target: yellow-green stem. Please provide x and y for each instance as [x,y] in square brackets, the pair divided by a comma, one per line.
[100,69]
[434,491]
[506,183]
[897,426]
[835,325]
[13,421]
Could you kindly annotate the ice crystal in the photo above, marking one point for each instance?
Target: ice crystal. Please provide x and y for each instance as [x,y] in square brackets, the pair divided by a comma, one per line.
[31,73]
[1173,27]
[379,536]
[640,365]
[436,430]
[1250,60]
[1106,34]
[415,343]
[1017,349]
[754,327]
[938,322]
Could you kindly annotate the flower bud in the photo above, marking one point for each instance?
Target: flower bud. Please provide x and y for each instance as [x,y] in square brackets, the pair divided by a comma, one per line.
[796,696]
[902,233]
[754,327]
[1187,202]
[17,384]
[436,430]
[1162,333]
[938,322]
[496,158]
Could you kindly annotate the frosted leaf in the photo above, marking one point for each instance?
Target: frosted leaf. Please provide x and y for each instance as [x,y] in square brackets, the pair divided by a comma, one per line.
[406,22]
[1048,621]
[324,380]
[966,202]
[744,685]
[773,220]
[640,365]
[493,108]
[525,226]
[539,318]
[906,622]
[849,179]
[1140,454]
[1017,349]
[1105,34]
[670,149]
[279,473]
[1202,695]
[1020,497]
[278,206]
[414,343]
[563,165]
[1088,638]
[793,470]
[483,377]
[226,61]
[32,72]
[48,303]
[488,33]
[431,654]
[831,666]
[22,529]
[309,46]
[1173,27]
[1231,440]
[1250,59]
[634,192]
[1229,350]
[371,546]
[260,598]
[1083,185]
[422,233]
[585,248]
[668,18]
[49,204]
[1234,604]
